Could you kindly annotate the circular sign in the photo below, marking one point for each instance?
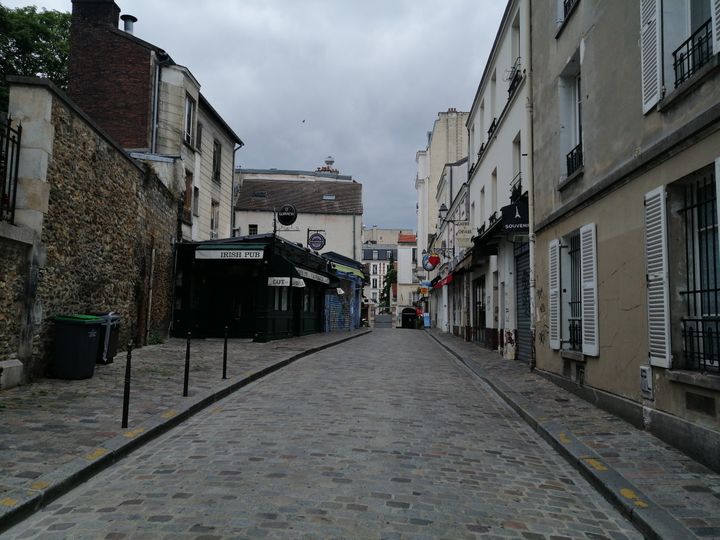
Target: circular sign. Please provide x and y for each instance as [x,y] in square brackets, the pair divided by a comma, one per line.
[426,263]
[287,214]
[316,241]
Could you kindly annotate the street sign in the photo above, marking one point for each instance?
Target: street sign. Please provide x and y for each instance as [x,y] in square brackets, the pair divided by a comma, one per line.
[287,214]
[316,241]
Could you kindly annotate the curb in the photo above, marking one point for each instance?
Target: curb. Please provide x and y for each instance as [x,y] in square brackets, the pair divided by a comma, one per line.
[648,517]
[18,504]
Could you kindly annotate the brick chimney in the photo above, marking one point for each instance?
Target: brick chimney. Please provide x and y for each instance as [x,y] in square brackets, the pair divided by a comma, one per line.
[96,12]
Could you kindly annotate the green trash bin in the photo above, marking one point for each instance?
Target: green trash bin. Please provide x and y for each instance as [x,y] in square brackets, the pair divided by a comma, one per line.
[76,346]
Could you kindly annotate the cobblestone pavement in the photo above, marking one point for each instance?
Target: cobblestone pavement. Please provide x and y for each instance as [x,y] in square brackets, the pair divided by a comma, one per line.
[686,489]
[385,436]
[47,424]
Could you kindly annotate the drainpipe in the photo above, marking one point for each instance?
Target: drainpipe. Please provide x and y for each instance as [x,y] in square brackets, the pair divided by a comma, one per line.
[232,193]
[531,182]
[155,115]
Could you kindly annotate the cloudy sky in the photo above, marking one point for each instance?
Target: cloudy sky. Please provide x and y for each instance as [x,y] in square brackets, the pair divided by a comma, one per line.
[298,80]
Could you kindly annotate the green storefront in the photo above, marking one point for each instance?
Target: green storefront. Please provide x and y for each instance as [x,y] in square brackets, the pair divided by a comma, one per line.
[260,287]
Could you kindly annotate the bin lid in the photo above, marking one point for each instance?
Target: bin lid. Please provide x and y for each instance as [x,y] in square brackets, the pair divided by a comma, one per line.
[78,319]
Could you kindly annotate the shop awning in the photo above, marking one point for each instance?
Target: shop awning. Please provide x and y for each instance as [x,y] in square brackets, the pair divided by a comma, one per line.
[285,282]
[349,270]
[444,281]
[464,264]
[309,274]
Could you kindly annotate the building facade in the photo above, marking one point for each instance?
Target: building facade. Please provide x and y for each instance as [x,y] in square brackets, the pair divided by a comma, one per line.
[328,204]
[626,215]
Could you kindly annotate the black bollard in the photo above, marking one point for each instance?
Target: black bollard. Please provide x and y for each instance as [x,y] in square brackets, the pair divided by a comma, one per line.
[126,394]
[225,354]
[187,366]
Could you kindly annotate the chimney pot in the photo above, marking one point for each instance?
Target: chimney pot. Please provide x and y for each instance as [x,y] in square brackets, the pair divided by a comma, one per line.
[128,22]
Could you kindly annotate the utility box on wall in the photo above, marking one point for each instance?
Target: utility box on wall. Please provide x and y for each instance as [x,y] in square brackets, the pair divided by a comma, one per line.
[646,382]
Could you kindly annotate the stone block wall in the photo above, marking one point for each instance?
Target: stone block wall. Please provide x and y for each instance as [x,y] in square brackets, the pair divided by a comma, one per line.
[105,238]
[13,271]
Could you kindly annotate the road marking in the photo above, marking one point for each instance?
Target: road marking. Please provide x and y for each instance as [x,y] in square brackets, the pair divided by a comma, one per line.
[134,433]
[170,413]
[630,494]
[97,453]
[7,501]
[595,464]
[564,438]
[40,484]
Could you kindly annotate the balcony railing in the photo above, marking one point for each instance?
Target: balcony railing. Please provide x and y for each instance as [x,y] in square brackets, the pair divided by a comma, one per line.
[575,341]
[693,54]
[481,150]
[568,6]
[701,344]
[515,78]
[9,160]
[516,187]
[492,127]
[574,159]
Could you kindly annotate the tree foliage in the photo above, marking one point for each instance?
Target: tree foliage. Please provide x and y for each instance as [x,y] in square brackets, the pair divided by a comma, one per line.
[33,44]
[390,279]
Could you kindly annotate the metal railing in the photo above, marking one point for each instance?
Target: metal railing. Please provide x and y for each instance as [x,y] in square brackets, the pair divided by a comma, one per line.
[701,344]
[9,160]
[693,54]
[574,159]
[575,341]
[515,78]
[568,6]
[516,187]
[492,127]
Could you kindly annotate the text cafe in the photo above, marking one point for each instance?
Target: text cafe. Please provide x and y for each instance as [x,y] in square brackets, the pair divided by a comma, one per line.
[260,287]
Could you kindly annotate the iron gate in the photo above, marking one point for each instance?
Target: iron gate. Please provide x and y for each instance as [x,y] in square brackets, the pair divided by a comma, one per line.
[9,157]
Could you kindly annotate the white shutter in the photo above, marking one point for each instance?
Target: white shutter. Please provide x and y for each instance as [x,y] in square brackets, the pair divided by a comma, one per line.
[554,308]
[651,52]
[656,265]
[589,297]
[715,24]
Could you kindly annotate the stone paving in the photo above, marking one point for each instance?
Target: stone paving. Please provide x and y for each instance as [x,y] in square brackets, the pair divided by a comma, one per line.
[385,436]
[47,424]
[686,489]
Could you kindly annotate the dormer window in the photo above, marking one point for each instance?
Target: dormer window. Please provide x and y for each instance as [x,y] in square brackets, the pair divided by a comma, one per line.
[328,197]
[260,194]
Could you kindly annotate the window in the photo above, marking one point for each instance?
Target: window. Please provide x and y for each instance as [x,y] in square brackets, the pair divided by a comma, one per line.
[374,269]
[328,197]
[198,137]
[374,283]
[374,296]
[682,265]
[389,254]
[189,127]
[252,229]
[281,298]
[375,255]
[217,160]
[573,317]
[677,38]
[196,202]
[570,94]
[214,219]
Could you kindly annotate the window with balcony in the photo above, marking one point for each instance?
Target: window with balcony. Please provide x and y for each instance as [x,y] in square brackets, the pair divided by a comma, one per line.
[217,161]
[571,98]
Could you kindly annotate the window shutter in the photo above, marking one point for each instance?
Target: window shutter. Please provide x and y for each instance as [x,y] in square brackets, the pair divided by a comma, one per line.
[656,264]
[554,311]
[651,52]
[715,24]
[717,190]
[588,278]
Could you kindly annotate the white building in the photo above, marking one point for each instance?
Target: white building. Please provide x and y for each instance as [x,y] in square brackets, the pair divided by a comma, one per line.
[328,204]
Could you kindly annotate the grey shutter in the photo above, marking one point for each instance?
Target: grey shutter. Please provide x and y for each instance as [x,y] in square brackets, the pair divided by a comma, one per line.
[588,279]
[651,52]
[554,299]
[716,26]
[656,264]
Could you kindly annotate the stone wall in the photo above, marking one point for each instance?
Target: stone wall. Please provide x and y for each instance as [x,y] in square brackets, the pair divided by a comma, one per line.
[104,241]
[13,271]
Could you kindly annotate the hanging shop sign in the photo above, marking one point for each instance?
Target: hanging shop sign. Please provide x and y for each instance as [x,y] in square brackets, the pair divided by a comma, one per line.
[430,261]
[287,214]
[316,241]
[229,254]
[463,235]
[515,217]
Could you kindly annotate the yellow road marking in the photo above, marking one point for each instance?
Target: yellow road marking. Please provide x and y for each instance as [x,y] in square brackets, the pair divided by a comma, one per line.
[595,464]
[97,453]
[134,433]
[630,494]
[40,484]
[169,414]
[7,501]
[564,438]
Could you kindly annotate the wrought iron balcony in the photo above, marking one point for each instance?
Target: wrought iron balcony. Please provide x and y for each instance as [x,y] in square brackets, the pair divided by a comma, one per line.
[514,78]
[693,54]
[481,150]
[9,161]
[516,187]
[492,127]
[574,159]
[701,344]
[575,341]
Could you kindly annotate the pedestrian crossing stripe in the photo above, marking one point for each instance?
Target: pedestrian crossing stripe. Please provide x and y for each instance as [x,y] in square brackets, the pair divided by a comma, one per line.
[134,433]
[7,501]
[97,453]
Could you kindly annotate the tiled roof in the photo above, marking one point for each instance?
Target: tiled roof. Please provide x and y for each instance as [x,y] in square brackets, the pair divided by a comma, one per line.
[407,239]
[325,197]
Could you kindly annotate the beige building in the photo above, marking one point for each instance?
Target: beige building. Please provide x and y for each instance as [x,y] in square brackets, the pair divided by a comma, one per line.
[328,204]
[625,157]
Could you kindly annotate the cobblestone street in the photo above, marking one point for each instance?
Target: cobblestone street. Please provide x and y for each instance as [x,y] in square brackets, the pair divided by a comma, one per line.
[385,436]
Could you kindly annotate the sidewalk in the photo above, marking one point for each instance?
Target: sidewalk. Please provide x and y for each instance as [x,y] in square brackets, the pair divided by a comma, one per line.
[664,492]
[56,433]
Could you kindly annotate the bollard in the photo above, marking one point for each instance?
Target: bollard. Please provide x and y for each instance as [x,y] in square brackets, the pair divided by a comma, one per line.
[225,354]
[126,394]
[187,366]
